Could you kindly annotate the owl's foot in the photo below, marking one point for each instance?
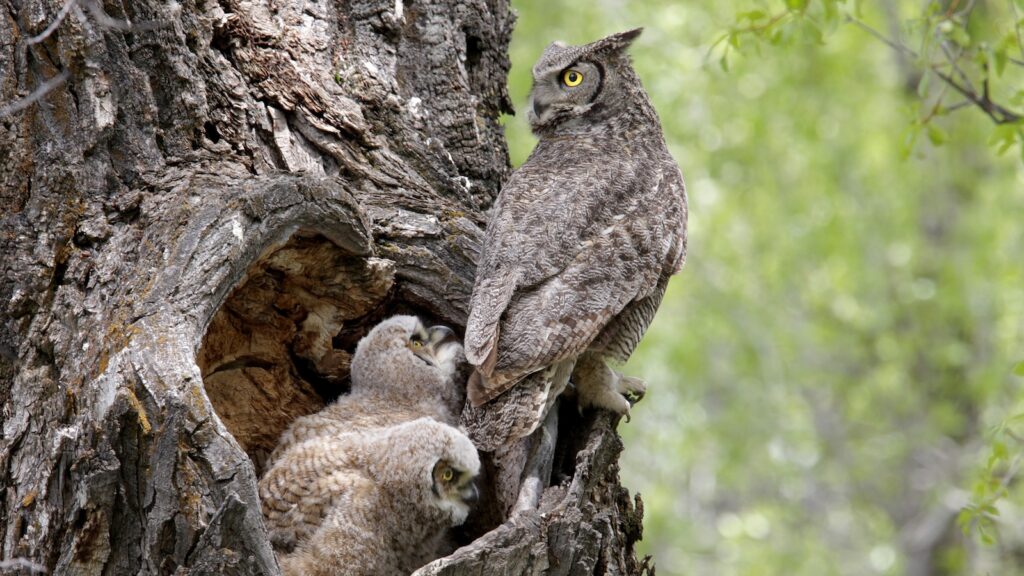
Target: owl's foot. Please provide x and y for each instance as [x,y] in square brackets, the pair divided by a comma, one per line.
[598,386]
[632,388]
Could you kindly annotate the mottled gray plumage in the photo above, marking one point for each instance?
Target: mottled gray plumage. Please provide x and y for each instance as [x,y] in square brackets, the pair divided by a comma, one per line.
[579,247]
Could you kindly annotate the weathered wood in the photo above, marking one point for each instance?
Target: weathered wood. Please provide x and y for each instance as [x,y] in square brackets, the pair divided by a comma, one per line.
[196,229]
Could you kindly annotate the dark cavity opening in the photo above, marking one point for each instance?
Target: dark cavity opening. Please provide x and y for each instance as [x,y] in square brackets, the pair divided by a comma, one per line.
[280,345]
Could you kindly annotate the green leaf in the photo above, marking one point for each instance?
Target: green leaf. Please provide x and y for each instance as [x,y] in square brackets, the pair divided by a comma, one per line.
[751,15]
[999,454]
[986,537]
[937,135]
[964,520]
[1003,137]
[1019,368]
[923,84]
[960,35]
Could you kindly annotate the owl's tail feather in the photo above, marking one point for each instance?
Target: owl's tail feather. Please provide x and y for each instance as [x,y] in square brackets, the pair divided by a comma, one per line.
[482,388]
[518,411]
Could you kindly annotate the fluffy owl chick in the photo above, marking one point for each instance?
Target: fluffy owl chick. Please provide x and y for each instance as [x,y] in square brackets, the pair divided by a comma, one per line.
[579,247]
[401,370]
[372,503]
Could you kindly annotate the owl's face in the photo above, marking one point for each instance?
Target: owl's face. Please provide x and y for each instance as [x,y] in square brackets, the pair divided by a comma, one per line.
[570,81]
[437,346]
[401,353]
[453,484]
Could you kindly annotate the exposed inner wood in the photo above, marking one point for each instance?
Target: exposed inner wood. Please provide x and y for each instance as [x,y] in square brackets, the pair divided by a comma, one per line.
[280,345]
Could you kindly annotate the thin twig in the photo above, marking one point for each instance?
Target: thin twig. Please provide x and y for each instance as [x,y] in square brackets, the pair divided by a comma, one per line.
[955,62]
[959,105]
[38,94]
[23,564]
[106,21]
[53,25]
[73,6]
[881,37]
[746,29]
[937,106]
[952,8]
[997,113]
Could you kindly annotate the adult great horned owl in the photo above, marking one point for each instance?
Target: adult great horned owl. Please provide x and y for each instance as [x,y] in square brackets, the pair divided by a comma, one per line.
[401,370]
[579,248]
[377,502]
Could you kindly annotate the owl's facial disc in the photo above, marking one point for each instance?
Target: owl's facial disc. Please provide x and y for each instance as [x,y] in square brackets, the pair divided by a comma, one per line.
[455,490]
[419,344]
[564,92]
[568,81]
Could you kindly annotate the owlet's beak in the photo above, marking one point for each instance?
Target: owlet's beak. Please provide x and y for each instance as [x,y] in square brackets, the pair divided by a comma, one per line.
[469,493]
[439,336]
[433,345]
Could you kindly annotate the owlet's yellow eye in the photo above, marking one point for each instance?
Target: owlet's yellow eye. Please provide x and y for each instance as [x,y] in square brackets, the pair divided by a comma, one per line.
[447,474]
[572,78]
[416,344]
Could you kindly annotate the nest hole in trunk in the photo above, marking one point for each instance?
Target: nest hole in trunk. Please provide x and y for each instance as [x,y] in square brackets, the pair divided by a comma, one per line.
[279,346]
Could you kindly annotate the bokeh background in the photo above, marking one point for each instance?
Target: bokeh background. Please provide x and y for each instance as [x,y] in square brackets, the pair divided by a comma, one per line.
[834,376]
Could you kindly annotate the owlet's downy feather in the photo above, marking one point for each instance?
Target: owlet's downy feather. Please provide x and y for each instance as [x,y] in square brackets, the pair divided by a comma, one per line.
[371,484]
[579,248]
[385,498]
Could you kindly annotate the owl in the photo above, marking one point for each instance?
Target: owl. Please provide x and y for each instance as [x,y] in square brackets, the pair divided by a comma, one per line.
[579,246]
[377,502]
[401,371]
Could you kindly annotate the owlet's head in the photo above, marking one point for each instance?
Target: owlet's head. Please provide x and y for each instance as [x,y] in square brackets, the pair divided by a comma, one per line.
[429,468]
[573,83]
[402,355]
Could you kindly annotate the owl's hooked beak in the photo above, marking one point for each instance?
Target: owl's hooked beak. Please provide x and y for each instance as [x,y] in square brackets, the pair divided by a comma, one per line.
[538,109]
[469,493]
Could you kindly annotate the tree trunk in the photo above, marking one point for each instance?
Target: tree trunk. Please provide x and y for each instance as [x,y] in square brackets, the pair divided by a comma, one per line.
[197,228]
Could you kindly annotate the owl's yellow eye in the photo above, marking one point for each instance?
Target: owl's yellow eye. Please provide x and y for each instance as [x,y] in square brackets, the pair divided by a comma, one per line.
[416,344]
[447,474]
[572,77]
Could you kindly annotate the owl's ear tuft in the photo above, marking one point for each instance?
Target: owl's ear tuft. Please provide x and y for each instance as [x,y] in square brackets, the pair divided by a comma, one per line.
[616,42]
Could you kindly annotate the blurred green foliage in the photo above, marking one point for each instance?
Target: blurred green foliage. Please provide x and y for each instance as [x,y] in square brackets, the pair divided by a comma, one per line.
[834,376]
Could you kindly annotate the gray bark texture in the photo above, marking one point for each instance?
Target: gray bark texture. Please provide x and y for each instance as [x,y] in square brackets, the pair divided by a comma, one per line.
[196,229]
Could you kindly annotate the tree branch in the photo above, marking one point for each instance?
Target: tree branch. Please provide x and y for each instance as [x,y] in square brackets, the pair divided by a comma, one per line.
[999,114]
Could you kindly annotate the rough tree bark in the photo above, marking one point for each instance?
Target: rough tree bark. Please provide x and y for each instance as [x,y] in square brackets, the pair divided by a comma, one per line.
[217,184]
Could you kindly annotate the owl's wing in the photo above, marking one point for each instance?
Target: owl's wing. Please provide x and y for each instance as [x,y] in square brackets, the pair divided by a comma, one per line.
[564,254]
[517,412]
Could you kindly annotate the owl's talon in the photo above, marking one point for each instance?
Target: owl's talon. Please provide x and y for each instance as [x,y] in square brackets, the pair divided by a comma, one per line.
[631,387]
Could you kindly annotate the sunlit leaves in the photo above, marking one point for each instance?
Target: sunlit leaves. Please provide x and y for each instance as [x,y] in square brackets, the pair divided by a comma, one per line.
[959,49]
